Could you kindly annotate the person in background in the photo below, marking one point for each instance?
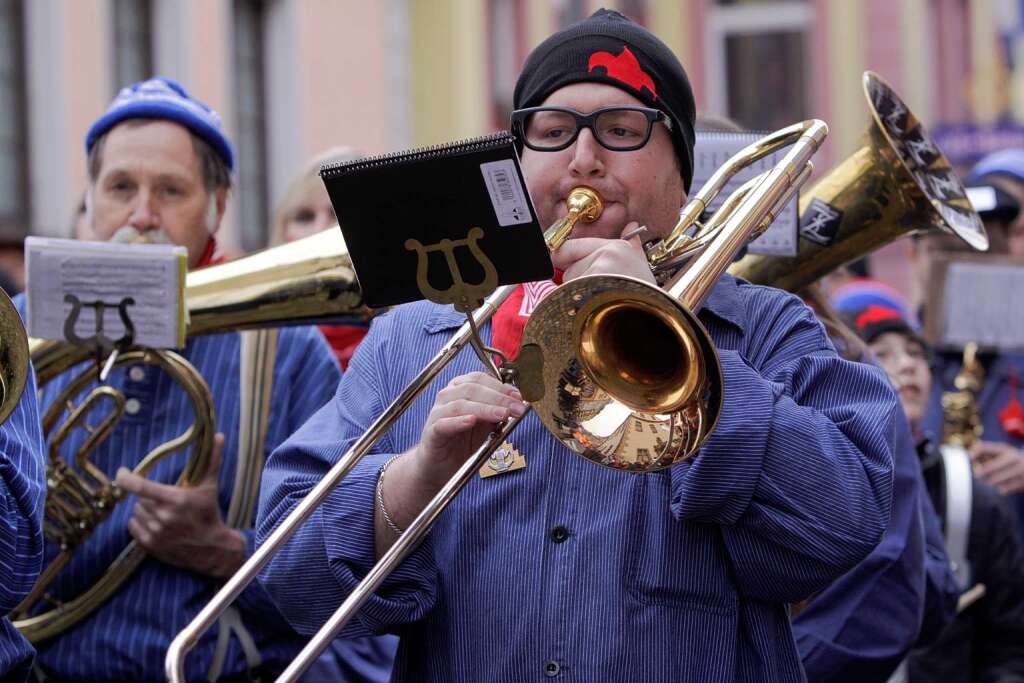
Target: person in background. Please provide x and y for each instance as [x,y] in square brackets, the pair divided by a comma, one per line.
[159,169]
[306,210]
[999,456]
[986,640]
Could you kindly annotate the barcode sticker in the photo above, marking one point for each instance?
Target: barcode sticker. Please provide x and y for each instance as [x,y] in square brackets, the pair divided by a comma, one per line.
[507,195]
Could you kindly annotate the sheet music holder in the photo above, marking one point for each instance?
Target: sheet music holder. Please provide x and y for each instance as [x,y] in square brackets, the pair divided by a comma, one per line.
[972,298]
[714,148]
[416,222]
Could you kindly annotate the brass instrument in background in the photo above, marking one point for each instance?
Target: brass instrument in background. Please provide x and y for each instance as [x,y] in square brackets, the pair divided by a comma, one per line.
[602,384]
[961,425]
[896,183]
[13,357]
[303,281]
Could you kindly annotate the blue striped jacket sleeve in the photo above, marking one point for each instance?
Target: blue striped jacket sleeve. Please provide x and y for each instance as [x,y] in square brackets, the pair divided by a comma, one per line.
[865,622]
[306,375]
[799,470]
[22,496]
[334,549]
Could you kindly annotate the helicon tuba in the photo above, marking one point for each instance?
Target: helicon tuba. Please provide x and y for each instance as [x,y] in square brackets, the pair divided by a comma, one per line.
[896,183]
[303,281]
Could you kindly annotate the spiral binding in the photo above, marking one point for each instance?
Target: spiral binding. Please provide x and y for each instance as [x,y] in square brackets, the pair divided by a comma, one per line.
[485,142]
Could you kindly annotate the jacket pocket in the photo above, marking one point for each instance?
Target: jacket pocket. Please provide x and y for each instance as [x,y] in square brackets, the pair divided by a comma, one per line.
[672,563]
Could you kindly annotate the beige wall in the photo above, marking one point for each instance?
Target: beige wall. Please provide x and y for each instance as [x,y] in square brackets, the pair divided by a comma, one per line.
[68,87]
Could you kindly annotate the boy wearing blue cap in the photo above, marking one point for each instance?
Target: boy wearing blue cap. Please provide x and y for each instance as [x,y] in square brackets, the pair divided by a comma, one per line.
[160,171]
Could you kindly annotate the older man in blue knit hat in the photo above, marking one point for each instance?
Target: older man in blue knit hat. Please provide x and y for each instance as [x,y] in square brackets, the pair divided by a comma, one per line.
[159,169]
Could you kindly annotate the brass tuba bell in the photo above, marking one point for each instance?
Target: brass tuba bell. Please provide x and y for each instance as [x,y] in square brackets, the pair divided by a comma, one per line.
[896,183]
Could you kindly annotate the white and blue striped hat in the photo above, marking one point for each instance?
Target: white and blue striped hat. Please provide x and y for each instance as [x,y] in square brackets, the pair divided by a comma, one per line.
[163,98]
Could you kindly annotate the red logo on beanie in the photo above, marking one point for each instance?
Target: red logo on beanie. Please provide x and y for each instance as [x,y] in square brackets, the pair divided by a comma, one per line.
[876,314]
[623,67]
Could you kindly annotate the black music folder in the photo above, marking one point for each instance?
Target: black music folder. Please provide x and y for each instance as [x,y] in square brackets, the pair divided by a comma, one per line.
[418,222]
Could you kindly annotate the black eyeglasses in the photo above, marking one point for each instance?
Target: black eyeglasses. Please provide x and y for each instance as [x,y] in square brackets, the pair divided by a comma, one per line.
[621,129]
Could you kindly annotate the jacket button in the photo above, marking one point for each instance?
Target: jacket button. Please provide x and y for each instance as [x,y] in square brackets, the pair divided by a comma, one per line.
[559,534]
[552,668]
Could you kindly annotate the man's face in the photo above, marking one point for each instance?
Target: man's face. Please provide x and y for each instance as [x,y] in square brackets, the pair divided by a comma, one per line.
[151,183]
[905,361]
[643,185]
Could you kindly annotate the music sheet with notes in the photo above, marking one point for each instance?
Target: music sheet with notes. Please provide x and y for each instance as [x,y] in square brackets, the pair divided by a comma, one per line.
[712,149]
[71,281]
[979,302]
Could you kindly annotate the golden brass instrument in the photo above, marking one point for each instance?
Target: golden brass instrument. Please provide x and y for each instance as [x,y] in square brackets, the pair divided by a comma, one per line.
[298,282]
[961,425]
[13,357]
[600,314]
[896,183]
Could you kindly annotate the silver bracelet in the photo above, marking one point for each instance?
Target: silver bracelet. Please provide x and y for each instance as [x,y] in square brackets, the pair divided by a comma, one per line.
[380,498]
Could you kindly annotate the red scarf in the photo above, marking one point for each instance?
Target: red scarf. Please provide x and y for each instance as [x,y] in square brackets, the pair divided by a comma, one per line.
[210,256]
[510,320]
[1012,414]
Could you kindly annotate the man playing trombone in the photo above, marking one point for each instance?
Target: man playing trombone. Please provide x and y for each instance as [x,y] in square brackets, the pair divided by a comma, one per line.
[560,568]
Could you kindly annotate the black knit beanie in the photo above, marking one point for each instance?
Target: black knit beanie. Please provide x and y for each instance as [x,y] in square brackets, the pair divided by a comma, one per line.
[610,48]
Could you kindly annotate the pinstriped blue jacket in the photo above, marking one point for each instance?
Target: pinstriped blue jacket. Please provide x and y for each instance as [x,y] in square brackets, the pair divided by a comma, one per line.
[22,495]
[681,575]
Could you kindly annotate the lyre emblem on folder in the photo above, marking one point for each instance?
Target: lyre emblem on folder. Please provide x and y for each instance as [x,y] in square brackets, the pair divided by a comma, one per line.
[464,296]
[99,308]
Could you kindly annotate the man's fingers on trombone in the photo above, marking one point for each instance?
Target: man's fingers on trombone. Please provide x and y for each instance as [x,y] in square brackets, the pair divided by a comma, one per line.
[478,393]
[483,379]
[482,411]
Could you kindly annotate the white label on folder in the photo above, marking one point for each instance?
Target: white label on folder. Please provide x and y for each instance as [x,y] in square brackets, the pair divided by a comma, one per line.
[507,195]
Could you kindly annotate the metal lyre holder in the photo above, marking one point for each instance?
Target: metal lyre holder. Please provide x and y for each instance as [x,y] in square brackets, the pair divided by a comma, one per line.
[687,414]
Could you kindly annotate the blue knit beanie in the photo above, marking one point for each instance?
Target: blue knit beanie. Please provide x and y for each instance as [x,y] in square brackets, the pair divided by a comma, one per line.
[1005,162]
[163,98]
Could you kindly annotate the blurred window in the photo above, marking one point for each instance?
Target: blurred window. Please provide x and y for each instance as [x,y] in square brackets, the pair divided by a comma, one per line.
[759,72]
[251,124]
[570,11]
[133,42]
[506,30]
[635,10]
[14,208]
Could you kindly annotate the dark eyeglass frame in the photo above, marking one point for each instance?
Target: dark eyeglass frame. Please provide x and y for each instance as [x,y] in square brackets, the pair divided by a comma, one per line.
[582,121]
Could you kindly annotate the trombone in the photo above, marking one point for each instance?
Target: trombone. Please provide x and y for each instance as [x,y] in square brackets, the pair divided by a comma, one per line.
[686,406]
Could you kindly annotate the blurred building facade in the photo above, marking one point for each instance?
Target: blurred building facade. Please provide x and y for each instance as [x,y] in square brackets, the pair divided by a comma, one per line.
[292,77]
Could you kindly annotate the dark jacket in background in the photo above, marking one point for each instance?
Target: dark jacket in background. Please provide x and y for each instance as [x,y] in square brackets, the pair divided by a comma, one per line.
[985,643]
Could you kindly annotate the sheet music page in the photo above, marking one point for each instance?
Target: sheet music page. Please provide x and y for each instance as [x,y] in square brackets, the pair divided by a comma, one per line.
[712,149]
[151,275]
[980,305]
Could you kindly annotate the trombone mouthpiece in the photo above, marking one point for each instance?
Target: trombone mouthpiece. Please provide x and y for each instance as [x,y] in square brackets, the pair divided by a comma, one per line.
[585,205]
